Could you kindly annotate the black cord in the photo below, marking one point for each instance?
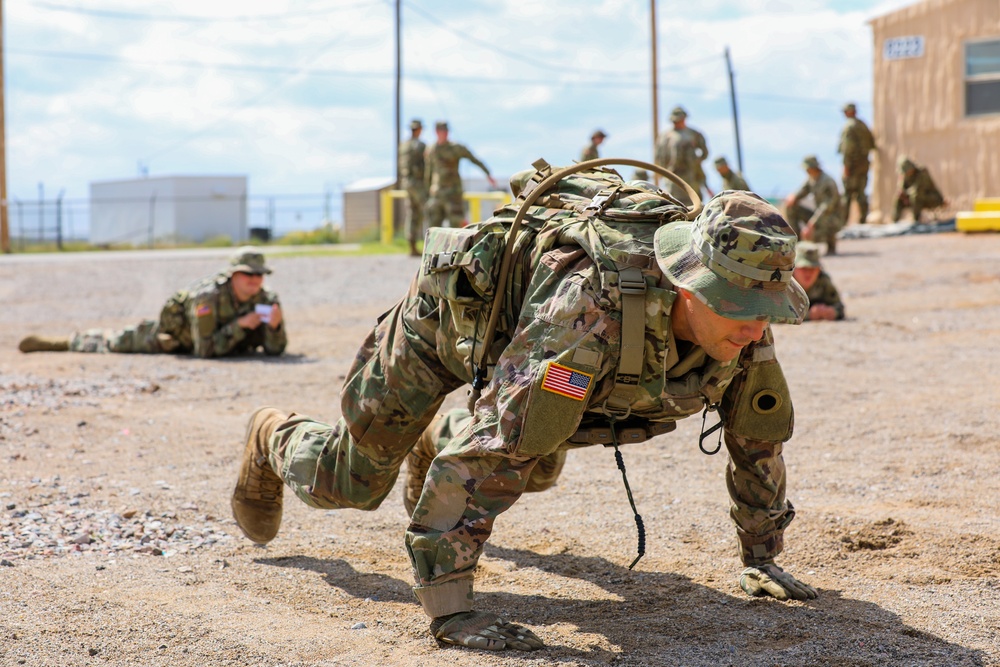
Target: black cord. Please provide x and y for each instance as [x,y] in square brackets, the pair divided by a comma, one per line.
[640,527]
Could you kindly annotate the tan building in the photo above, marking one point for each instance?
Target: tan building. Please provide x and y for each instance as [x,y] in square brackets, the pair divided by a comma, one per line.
[937,98]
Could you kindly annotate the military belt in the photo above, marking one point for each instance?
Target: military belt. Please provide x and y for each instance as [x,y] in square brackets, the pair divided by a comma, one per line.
[628,431]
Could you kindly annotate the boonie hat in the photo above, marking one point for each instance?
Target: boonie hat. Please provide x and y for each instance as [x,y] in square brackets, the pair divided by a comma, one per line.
[807,255]
[441,125]
[415,124]
[810,162]
[678,113]
[599,133]
[904,164]
[850,107]
[737,256]
[248,260]
[721,161]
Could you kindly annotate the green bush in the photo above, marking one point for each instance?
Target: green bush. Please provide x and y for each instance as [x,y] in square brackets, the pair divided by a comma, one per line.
[319,236]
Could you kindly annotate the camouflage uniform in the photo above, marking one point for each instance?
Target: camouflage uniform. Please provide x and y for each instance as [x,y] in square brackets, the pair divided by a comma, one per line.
[445,184]
[916,190]
[589,151]
[199,320]
[682,151]
[823,291]
[411,175]
[856,142]
[558,353]
[825,218]
[731,179]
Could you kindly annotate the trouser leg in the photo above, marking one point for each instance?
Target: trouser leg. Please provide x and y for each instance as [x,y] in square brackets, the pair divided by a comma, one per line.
[142,338]
[391,394]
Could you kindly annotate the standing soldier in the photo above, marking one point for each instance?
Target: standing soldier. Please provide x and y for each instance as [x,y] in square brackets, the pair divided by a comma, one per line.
[411,179]
[916,190]
[823,222]
[443,180]
[731,180]
[681,150]
[856,142]
[589,151]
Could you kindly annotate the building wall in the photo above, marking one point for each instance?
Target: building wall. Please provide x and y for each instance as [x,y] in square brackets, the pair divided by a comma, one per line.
[211,206]
[919,103]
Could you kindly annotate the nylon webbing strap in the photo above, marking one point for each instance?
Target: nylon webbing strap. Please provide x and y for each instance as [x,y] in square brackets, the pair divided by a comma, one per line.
[633,290]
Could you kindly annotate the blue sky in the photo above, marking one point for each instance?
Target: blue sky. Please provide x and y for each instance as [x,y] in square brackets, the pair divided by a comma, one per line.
[299,94]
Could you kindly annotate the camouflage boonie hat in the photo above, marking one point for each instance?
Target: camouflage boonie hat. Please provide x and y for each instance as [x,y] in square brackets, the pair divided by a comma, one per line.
[721,162]
[810,162]
[678,113]
[807,255]
[904,164]
[441,125]
[415,124]
[599,133]
[850,107]
[248,260]
[737,256]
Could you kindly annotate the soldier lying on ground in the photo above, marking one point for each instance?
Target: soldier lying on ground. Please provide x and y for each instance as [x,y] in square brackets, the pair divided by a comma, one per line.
[226,314]
[824,299]
[621,328]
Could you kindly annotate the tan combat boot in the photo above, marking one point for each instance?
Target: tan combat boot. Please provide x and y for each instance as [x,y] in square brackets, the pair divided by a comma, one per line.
[43,344]
[256,499]
[418,462]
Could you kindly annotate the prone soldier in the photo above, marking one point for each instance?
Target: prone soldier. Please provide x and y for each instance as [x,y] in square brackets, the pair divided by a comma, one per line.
[824,299]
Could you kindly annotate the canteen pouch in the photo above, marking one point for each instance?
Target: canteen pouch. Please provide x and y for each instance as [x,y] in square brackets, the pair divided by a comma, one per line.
[458,264]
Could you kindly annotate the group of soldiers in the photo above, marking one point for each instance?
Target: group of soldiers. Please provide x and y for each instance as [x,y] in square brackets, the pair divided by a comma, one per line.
[430,176]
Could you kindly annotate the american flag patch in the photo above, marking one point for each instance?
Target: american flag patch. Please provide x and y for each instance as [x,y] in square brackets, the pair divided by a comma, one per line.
[203,309]
[566,381]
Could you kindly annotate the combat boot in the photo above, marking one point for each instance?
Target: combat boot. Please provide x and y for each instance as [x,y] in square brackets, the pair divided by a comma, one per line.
[43,344]
[256,499]
[418,462]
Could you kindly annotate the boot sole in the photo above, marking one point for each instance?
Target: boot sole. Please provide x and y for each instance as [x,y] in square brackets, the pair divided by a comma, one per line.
[232,498]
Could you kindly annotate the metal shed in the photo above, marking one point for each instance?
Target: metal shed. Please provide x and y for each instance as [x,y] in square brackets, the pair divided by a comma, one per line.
[937,98]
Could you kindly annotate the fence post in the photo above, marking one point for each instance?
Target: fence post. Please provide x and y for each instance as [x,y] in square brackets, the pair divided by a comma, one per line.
[385,215]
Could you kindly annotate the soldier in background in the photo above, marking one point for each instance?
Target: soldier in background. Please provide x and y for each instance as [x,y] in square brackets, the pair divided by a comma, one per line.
[824,299]
[824,221]
[589,151]
[682,150]
[443,180]
[856,142]
[227,314]
[411,179]
[731,180]
[917,190]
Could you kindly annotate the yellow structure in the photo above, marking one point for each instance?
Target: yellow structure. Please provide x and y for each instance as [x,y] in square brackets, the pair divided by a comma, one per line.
[387,225]
[984,217]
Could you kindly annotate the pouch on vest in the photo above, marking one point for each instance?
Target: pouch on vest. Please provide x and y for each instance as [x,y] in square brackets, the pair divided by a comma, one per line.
[457,264]
[762,406]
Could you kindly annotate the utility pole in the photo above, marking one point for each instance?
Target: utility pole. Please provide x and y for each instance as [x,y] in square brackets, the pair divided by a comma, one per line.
[399,78]
[736,118]
[656,94]
[4,230]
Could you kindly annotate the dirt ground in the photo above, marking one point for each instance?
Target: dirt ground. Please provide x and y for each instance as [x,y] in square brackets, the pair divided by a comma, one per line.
[118,548]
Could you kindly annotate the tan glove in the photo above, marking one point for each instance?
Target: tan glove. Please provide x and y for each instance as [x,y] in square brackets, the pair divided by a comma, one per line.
[483,630]
[769,579]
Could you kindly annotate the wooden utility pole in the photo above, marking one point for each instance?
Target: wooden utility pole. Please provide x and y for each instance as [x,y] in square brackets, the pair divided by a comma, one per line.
[656,93]
[736,117]
[399,78]
[4,229]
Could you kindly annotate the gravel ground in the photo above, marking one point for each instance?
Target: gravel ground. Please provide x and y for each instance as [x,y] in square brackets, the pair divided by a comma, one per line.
[117,547]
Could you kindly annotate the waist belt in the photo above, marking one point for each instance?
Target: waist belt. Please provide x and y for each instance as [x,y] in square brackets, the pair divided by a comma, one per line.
[628,431]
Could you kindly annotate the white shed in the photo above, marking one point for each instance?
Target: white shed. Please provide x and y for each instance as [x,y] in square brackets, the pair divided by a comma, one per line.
[169,209]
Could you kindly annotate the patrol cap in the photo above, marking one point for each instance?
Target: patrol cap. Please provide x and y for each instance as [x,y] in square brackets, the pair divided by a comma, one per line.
[850,107]
[721,162]
[248,260]
[441,125]
[415,124]
[904,164]
[640,175]
[807,255]
[599,133]
[737,256]
[810,162]
[677,113]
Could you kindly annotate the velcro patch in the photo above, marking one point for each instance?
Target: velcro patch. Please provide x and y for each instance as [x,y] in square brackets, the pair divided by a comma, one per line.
[565,381]
[203,309]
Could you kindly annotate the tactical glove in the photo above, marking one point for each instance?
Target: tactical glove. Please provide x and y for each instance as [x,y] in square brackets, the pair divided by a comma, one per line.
[769,579]
[483,630]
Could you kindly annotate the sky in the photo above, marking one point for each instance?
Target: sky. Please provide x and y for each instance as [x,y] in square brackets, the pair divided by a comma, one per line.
[299,95]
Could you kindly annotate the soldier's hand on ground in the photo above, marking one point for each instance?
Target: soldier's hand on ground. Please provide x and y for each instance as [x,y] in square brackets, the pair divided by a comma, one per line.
[249,321]
[275,321]
[769,579]
[483,630]
[821,311]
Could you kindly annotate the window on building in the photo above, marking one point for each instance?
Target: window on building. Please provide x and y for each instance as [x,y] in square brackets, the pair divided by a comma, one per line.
[982,78]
